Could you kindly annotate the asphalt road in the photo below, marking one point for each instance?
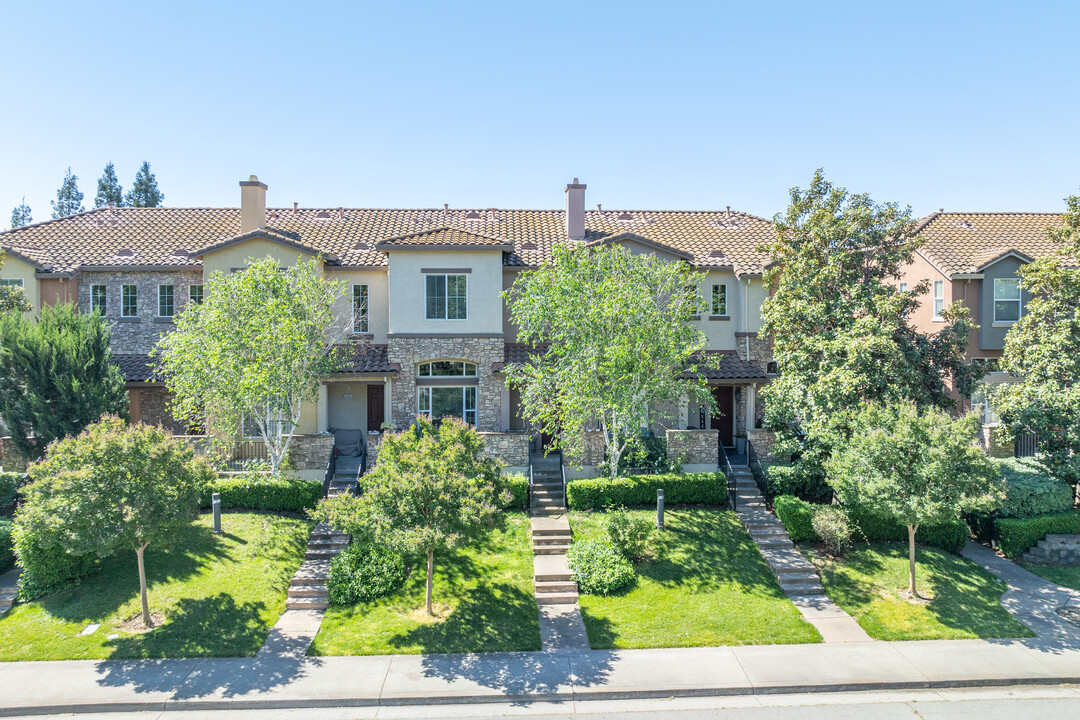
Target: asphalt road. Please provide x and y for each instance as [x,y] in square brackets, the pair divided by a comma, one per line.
[1016,703]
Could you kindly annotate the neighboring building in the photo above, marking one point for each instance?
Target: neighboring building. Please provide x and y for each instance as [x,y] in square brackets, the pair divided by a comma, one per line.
[973,258]
[430,330]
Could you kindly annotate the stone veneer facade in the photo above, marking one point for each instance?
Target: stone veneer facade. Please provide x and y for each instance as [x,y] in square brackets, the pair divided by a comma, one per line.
[138,335]
[696,449]
[512,448]
[410,350]
[310,452]
[153,408]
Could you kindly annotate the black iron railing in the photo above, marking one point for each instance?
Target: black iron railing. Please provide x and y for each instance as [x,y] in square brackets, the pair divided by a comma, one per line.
[331,468]
[729,475]
[754,461]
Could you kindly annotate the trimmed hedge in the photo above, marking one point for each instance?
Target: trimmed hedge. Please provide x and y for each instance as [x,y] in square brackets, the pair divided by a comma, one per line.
[797,516]
[252,491]
[640,490]
[518,485]
[1031,490]
[7,548]
[1017,535]
[9,486]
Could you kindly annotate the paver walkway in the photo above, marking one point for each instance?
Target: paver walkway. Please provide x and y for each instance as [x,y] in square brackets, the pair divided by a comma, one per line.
[9,582]
[1030,599]
[797,576]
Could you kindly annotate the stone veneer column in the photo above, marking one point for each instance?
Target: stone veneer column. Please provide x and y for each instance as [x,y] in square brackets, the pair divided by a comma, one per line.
[407,351]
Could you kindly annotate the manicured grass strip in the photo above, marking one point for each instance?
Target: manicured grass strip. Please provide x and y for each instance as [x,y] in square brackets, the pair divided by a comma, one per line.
[488,587]
[869,580]
[220,595]
[708,586]
[1066,575]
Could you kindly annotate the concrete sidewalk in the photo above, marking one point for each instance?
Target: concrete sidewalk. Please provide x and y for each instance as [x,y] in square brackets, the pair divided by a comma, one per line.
[267,682]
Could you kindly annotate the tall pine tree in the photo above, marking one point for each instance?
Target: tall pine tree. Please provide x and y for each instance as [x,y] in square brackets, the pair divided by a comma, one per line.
[108,188]
[68,198]
[144,192]
[21,215]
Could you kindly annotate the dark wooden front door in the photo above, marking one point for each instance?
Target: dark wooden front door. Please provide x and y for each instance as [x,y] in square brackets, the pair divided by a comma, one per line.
[724,417]
[375,406]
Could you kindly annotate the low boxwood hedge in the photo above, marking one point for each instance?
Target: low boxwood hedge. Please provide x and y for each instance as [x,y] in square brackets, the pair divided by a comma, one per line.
[518,485]
[640,490]
[253,491]
[7,547]
[1016,535]
[797,516]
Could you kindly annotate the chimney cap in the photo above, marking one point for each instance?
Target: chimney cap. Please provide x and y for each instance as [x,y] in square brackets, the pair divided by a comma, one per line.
[575,185]
[253,181]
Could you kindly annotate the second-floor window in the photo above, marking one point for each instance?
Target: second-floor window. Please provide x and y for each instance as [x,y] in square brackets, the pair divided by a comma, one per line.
[939,298]
[446,297]
[195,294]
[1006,299]
[99,298]
[360,308]
[165,301]
[129,301]
[719,300]
[903,287]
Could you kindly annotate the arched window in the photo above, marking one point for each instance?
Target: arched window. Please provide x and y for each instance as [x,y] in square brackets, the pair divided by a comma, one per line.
[446,368]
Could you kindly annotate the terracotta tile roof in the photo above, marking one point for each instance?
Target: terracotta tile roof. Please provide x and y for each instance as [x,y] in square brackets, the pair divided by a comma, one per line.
[959,243]
[731,367]
[519,354]
[173,236]
[444,237]
[367,358]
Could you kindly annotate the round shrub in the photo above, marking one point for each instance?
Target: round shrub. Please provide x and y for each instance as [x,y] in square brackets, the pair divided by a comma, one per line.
[630,534]
[364,572]
[832,526]
[1030,490]
[599,568]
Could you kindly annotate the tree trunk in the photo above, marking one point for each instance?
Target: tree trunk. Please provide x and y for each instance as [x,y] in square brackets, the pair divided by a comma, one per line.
[911,559]
[430,578]
[142,586]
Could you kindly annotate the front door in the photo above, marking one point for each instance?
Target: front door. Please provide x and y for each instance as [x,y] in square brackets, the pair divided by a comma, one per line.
[375,407]
[724,417]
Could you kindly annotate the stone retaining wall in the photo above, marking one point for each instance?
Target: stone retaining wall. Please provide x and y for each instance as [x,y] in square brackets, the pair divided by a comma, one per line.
[512,448]
[311,452]
[764,441]
[996,443]
[13,460]
[697,450]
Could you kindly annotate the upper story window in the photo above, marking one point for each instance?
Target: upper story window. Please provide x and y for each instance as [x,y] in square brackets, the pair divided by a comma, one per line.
[99,298]
[1006,299]
[772,368]
[129,300]
[719,300]
[446,368]
[939,298]
[195,294]
[903,287]
[360,308]
[446,297]
[165,300]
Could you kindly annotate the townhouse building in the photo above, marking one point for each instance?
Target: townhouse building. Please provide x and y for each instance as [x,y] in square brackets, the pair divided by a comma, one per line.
[427,329]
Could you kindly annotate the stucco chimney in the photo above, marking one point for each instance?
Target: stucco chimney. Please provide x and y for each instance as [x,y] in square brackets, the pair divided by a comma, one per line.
[575,210]
[252,205]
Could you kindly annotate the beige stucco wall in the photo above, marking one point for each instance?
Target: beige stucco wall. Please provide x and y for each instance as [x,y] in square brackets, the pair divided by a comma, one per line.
[406,286]
[236,256]
[378,299]
[346,412]
[721,333]
[15,269]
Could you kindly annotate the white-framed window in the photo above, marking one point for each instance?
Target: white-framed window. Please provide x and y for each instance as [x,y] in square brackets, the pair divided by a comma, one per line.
[903,287]
[982,406]
[446,297]
[939,298]
[718,306]
[446,368]
[99,298]
[129,300]
[440,402]
[360,308]
[13,282]
[166,300]
[1006,299]
[195,294]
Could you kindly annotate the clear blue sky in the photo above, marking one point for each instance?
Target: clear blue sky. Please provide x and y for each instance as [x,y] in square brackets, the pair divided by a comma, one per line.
[961,105]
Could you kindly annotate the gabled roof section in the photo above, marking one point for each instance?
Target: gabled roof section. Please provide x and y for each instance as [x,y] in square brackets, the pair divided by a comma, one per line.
[968,243]
[27,255]
[444,237]
[281,237]
[644,242]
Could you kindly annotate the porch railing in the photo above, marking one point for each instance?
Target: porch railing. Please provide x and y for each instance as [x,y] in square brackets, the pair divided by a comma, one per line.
[754,461]
[729,474]
[331,468]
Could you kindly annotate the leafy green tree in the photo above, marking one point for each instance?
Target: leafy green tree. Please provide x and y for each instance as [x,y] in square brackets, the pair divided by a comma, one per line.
[108,188]
[253,351]
[1043,350]
[12,297]
[620,348]
[68,198]
[21,215]
[432,490]
[144,191]
[917,467]
[56,376]
[114,488]
[839,326]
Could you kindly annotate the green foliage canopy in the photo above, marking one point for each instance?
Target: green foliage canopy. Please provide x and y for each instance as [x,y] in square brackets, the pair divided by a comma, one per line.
[108,188]
[21,215]
[144,191]
[68,198]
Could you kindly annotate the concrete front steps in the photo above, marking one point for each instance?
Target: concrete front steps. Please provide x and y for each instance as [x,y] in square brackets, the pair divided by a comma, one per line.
[546,495]
[552,577]
[307,589]
[1055,550]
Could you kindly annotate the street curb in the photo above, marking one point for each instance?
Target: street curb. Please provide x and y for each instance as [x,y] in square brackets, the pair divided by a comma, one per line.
[574,695]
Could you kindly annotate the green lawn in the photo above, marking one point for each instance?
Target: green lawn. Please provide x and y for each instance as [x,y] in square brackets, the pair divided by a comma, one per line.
[488,586]
[219,595]
[1066,575]
[708,586]
[869,580]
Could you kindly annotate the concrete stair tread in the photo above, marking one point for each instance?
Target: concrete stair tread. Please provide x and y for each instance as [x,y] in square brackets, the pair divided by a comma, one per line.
[305,605]
[555,585]
[550,549]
